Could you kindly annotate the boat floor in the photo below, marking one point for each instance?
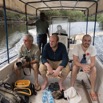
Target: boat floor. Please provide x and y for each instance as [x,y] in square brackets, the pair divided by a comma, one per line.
[78,86]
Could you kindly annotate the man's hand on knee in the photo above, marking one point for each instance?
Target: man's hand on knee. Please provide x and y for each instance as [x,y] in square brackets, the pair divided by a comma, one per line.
[86,68]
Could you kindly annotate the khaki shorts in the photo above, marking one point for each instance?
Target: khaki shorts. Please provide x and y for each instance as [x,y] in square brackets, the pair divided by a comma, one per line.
[54,65]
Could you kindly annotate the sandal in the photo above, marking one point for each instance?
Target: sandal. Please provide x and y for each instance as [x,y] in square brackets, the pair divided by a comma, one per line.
[51,87]
[58,94]
[56,86]
[37,87]
[93,96]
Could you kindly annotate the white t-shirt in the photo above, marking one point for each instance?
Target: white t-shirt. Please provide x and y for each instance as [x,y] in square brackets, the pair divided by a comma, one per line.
[90,52]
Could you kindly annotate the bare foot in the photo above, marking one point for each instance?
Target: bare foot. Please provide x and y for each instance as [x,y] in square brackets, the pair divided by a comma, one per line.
[44,85]
[93,96]
[61,86]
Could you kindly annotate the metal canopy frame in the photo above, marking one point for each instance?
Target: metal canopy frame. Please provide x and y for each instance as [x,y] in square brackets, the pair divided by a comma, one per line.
[86,9]
[95,2]
[61,4]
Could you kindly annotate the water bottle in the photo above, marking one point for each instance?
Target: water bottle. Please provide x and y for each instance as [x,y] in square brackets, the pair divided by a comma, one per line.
[50,97]
[44,97]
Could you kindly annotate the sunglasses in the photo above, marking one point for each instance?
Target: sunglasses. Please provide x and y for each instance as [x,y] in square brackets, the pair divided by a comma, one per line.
[84,56]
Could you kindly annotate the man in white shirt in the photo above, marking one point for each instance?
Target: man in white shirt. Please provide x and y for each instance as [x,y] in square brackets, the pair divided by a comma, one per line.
[84,57]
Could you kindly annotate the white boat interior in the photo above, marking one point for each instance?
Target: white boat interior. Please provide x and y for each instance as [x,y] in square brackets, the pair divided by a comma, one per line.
[82,82]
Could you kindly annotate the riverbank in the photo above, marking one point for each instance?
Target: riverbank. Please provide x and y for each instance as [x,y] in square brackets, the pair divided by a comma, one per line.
[12,22]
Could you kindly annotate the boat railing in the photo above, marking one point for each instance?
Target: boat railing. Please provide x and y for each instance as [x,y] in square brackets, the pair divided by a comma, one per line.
[10,58]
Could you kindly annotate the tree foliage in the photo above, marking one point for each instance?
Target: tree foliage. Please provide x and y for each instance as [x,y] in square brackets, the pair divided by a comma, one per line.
[72,15]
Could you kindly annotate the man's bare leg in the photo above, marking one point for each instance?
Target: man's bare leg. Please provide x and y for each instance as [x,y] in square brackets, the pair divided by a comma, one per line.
[63,76]
[44,85]
[35,68]
[61,84]
[36,72]
[17,71]
[92,80]
[43,72]
[74,72]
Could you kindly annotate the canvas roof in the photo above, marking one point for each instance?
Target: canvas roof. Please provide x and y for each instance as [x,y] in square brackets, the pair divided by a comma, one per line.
[35,6]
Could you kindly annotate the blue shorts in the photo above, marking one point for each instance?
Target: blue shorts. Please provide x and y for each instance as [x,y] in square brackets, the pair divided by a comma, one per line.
[41,40]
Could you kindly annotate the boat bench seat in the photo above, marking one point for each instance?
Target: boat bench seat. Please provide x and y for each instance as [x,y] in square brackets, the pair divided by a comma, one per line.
[70,52]
[64,40]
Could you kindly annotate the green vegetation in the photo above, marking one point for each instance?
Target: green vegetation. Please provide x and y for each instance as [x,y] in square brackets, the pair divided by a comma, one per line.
[73,15]
[12,16]
[100,19]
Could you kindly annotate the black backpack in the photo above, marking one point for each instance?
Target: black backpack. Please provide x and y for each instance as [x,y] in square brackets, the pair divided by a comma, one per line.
[8,96]
[25,89]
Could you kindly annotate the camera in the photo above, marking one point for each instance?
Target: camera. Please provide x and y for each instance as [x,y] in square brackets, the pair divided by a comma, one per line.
[22,61]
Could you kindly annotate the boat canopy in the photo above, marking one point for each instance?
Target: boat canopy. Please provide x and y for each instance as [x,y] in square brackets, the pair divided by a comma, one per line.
[33,7]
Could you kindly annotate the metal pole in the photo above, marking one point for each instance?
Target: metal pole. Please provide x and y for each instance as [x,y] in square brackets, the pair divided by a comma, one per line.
[26,18]
[69,29]
[6,29]
[95,22]
[52,25]
[87,21]
[36,11]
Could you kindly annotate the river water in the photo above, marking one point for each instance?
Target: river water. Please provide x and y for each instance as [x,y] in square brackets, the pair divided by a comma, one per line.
[17,30]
